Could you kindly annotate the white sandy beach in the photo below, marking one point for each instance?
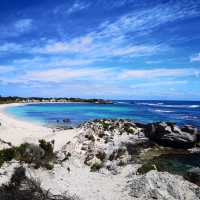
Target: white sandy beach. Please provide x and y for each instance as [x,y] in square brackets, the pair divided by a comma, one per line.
[80,181]
[18,131]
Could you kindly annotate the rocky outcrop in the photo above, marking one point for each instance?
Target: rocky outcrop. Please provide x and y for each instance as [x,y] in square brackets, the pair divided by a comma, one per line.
[162,186]
[169,134]
[120,142]
[111,143]
[189,129]
[163,133]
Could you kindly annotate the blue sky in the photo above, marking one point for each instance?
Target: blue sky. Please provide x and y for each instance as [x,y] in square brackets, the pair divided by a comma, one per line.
[117,49]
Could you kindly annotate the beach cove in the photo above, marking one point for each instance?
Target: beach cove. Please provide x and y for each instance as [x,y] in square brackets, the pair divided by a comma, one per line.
[85,184]
[102,162]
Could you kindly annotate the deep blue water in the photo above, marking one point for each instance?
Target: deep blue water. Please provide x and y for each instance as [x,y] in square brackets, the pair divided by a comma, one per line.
[181,112]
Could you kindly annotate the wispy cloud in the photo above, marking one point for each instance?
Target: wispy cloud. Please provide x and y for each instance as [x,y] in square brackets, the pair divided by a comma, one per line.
[135,50]
[151,84]
[58,75]
[67,73]
[52,62]
[148,19]
[160,73]
[5,69]
[77,45]
[86,46]
[16,28]
[118,37]
[77,6]
[195,58]
[23,25]
[9,47]
[150,62]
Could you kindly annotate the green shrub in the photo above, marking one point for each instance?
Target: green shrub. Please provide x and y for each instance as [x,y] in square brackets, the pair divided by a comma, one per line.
[96,167]
[49,166]
[21,149]
[101,155]
[128,130]
[7,155]
[21,187]
[105,125]
[47,147]
[38,155]
[146,168]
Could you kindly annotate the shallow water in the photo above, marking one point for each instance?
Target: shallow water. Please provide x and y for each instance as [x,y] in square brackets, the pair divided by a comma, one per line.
[181,112]
[172,163]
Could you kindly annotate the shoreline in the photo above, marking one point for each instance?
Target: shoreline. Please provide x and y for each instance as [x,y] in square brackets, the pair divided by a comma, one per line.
[10,116]
[3,111]
[17,131]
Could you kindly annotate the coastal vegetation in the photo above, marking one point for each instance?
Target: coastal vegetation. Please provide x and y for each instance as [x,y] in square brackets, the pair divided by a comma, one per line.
[21,187]
[41,155]
[15,99]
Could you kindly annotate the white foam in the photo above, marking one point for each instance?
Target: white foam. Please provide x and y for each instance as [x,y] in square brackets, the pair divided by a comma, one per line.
[164,111]
[169,106]
[122,102]
[195,106]
[150,104]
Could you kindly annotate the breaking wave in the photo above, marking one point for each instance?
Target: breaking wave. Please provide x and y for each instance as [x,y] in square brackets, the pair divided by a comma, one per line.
[164,111]
[168,105]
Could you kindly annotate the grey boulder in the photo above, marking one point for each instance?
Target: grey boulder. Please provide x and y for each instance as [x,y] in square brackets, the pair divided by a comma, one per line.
[169,134]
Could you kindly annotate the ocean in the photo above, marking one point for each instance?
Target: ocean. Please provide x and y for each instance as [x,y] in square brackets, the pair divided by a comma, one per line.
[181,112]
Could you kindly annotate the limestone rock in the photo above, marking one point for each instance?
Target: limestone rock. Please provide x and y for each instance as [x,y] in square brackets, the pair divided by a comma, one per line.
[162,186]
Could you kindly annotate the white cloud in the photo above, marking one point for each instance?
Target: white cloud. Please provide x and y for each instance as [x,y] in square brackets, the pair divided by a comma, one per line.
[159,73]
[163,83]
[23,25]
[76,45]
[195,58]
[52,62]
[5,69]
[119,37]
[136,50]
[77,6]
[91,46]
[16,28]
[150,62]
[63,74]
[8,47]
[86,47]
[120,3]
[147,20]
[72,62]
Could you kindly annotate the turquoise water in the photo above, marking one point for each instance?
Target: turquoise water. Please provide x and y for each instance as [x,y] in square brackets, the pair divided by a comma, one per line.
[182,112]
